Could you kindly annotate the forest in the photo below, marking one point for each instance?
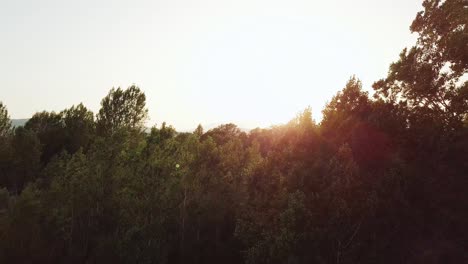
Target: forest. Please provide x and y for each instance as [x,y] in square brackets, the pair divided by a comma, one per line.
[382,178]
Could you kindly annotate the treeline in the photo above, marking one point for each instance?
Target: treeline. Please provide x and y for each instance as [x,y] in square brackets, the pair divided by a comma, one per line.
[380,179]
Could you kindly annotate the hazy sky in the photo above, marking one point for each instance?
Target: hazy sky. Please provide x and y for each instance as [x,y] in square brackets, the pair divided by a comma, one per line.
[251,62]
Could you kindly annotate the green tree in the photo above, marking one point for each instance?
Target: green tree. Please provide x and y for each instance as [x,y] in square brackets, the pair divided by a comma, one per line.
[223,133]
[79,127]
[122,109]
[199,130]
[49,128]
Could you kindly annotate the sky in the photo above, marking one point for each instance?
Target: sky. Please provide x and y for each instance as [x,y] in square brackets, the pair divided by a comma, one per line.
[255,63]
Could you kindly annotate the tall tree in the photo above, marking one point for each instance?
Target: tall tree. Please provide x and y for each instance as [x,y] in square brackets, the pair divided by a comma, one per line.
[122,109]
[199,130]
[430,77]
[345,111]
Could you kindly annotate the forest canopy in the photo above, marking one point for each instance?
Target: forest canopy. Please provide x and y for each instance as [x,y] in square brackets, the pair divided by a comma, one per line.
[380,179]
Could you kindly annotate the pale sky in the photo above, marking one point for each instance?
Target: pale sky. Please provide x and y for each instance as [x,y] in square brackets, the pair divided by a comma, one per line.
[251,62]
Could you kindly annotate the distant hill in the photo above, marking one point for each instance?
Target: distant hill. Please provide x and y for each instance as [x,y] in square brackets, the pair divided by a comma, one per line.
[19,122]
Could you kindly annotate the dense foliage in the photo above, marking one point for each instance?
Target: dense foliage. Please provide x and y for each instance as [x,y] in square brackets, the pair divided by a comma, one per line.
[380,179]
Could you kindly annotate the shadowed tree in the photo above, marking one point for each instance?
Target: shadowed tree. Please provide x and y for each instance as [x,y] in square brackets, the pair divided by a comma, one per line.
[25,164]
[5,122]
[79,127]
[377,181]
[430,77]
[49,128]
[346,109]
[5,145]
[429,83]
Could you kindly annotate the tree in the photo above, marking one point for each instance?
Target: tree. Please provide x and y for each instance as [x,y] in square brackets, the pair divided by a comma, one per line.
[25,162]
[345,110]
[49,128]
[5,145]
[223,133]
[345,113]
[5,122]
[428,84]
[199,130]
[79,127]
[430,77]
[20,229]
[304,119]
[122,109]
[379,180]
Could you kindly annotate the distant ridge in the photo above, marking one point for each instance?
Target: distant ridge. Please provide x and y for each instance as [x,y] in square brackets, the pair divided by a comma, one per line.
[19,122]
